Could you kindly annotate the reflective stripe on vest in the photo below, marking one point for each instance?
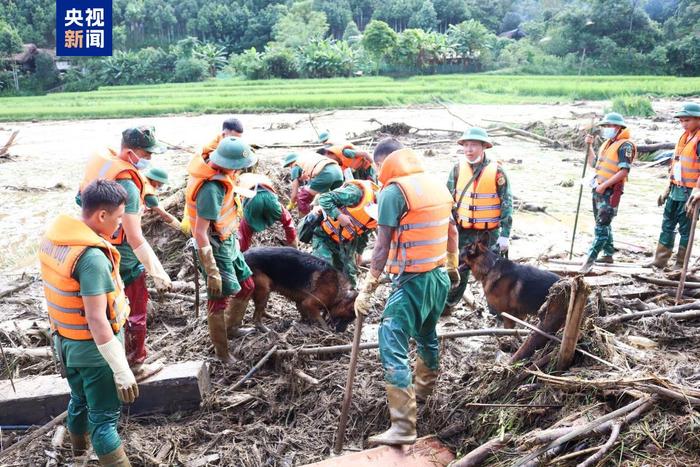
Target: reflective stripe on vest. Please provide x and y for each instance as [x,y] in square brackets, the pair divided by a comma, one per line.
[63,301]
[480,207]
[685,153]
[419,244]
[362,222]
[227,220]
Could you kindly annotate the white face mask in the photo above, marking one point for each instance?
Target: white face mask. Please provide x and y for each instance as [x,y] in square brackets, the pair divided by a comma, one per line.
[475,161]
[608,133]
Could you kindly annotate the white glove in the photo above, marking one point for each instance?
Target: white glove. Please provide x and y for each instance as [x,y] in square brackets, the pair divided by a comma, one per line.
[503,243]
[590,181]
[153,267]
[113,353]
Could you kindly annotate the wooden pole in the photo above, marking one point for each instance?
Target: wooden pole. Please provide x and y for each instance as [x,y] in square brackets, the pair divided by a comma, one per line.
[688,250]
[580,193]
[574,316]
[347,399]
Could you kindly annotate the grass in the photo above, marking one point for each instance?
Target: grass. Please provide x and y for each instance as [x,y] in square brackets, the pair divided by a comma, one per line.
[633,106]
[218,96]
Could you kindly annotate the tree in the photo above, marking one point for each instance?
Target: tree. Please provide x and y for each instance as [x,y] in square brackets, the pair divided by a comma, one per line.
[301,25]
[473,41]
[337,12]
[10,42]
[213,55]
[425,18]
[450,12]
[352,34]
[510,21]
[327,58]
[260,27]
[379,39]
[361,11]
[397,13]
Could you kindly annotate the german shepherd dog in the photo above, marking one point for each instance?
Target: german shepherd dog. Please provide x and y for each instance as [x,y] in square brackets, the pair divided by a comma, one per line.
[516,289]
[321,293]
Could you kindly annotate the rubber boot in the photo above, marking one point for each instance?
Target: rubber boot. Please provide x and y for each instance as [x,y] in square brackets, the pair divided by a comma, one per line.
[585,267]
[661,257]
[235,312]
[79,443]
[680,258]
[607,259]
[116,458]
[217,334]
[424,380]
[402,411]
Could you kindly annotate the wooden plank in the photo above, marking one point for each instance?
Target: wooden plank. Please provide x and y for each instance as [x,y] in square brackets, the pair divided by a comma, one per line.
[426,452]
[606,281]
[177,387]
[577,302]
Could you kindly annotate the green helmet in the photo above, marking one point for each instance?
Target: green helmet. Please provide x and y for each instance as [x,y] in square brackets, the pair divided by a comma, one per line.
[157,174]
[476,134]
[613,118]
[143,137]
[324,136]
[690,109]
[289,159]
[233,154]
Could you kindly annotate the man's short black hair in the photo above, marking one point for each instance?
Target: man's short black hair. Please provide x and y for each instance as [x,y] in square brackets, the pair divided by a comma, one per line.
[386,147]
[233,124]
[102,194]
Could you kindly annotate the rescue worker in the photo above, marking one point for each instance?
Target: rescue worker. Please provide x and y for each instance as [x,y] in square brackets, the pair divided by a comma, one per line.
[414,240]
[213,214]
[261,209]
[137,256]
[356,164]
[319,173]
[349,215]
[87,311]
[158,177]
[682,189]
[230,127]
[612,166]
[482,199]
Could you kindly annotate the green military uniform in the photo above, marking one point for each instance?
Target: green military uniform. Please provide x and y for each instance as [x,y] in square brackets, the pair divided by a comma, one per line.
[262,210]
[228,256]
[361,174]
[151,201]
[329,178]
[94,406]
[605,207]
[413,307]
[130,268]
[341,256]
[469,236]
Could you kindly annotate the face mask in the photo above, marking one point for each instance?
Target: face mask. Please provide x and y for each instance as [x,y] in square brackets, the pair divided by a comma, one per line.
[141,164]
[476,161]
[608,133]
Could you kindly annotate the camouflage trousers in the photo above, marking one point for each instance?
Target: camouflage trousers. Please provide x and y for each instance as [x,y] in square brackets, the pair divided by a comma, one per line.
[604,212]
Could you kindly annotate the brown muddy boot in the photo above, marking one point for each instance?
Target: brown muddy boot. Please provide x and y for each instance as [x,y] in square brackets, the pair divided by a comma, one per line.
[424,380]
[116,458]
[661,257]
[217,334]
[235,312]
[680,258]
[402,411]
[607,259]
[79,443]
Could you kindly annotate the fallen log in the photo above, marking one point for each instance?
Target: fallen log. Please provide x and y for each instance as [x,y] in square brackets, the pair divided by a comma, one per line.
[477,456]
[671,283]
[15,288]
[36,352]
[257,366]
[528,134]
[304,377]
[333,349]
[654,147]
[8,144]
[574,316]
[614,319]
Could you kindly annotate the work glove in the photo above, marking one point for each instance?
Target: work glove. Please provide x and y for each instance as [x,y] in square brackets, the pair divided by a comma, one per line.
[362,301]
[206,257]
[150,261]
[503,243]
[124,380]
[692,201]
[291,205]
[453,268]
[663,197]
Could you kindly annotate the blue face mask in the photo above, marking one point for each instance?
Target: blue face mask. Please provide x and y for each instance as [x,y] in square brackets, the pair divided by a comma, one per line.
[141,164]
[608,132]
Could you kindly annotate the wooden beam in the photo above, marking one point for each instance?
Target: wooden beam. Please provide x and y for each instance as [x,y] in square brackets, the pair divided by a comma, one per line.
[176,387]
[574,316]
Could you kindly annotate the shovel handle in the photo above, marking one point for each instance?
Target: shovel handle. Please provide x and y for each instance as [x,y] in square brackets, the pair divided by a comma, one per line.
[340,436]
[686,260]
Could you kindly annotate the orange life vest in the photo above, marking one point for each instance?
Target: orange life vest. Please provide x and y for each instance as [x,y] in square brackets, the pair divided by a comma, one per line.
[352,163]
[686,154]
[59,251]
[419,243]
[608,158]
[312,164]
[105,165]
[200,172]
[211,146]
[480,207]
[361,221]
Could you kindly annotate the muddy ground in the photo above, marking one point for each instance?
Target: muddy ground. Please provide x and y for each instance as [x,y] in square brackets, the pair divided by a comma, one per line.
[277,419]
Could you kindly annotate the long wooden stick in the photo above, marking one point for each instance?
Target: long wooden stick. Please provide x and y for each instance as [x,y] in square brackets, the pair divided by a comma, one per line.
[555,338]
[333,349]
[614,319]
[347,399]
[257,366]
[580,193]
[7,365]
[689,249]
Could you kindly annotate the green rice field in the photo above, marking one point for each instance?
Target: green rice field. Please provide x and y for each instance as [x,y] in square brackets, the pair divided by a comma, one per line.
[225,95]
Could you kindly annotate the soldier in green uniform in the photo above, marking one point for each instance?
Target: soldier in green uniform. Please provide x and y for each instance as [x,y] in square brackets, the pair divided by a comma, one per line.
[612,167]
[473,180]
